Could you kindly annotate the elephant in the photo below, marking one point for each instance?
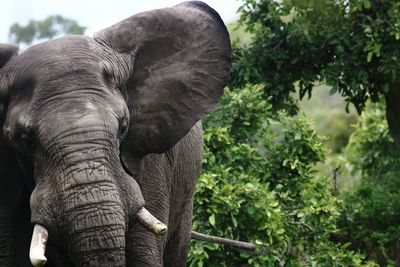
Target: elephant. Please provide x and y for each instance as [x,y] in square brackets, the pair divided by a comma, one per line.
[101,141]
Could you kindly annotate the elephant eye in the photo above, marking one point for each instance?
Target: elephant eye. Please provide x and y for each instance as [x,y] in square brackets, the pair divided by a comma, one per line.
[123,128]
[26,141]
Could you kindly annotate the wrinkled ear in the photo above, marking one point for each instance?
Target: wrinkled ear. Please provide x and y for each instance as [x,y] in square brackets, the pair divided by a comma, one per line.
[10,176]
[7,51]
[181,58]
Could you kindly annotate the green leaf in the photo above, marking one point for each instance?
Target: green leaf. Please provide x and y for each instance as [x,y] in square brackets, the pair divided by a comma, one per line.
[367,4]
[211,219]
[369,56]
[280,231]
[234,220]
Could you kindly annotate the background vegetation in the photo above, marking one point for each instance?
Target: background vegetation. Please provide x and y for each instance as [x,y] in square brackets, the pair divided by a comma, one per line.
[310,184]
[268,176]
[39,30]
[259,184]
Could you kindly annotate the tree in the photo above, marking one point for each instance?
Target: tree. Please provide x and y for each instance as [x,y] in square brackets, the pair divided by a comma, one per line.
[48,28]
[258,184]
[353,46]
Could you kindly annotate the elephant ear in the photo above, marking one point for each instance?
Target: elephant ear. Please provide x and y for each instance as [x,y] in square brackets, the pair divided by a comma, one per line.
[181,59]
[10,176]
[7,51]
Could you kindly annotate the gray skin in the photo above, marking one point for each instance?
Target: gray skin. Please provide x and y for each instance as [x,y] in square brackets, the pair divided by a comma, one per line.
[96,128]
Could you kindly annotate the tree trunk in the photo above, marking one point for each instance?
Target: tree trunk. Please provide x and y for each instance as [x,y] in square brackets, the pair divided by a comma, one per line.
[393,114]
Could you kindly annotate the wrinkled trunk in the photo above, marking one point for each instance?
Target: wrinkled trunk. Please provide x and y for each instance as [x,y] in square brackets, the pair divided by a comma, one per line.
[89,214]
[82,196]
[5,236]
[94,223]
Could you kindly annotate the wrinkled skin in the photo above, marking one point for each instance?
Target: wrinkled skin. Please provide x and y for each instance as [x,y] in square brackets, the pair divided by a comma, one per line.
[95,129]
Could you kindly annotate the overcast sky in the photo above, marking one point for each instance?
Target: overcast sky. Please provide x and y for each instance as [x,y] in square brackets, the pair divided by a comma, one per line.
[94,14]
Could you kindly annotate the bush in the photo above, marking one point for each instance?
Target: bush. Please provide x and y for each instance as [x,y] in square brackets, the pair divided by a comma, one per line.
[258,184]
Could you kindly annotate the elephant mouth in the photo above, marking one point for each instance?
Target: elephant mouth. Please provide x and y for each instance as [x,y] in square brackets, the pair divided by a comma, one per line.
[40,236]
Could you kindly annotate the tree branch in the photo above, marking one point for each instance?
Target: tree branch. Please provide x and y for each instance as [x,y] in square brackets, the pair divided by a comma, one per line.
[224,241]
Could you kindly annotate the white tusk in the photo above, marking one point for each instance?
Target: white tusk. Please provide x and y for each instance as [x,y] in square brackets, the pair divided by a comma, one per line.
[38,246]
[151,222]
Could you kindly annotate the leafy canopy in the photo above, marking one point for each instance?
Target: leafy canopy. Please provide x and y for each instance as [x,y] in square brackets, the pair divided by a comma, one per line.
[353,46]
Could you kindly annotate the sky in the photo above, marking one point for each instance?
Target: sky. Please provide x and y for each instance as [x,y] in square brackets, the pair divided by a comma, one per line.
[94,14]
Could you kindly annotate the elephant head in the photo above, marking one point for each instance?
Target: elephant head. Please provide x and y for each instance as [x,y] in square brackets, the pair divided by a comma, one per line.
[80,113]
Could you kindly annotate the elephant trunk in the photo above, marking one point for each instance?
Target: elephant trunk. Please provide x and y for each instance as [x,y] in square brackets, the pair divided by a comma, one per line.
[104,247]
[95,224]
[87,216]
[87,207]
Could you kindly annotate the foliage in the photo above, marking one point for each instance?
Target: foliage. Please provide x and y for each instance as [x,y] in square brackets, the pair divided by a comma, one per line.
[258,184]
[351,45]
[370,218]
[48,28]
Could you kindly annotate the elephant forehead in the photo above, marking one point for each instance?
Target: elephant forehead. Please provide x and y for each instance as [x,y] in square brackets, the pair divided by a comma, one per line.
[78,113]
[61,49]
[52,60]
[89,106]
[52,66]
[84,121]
